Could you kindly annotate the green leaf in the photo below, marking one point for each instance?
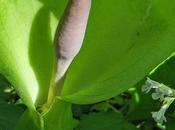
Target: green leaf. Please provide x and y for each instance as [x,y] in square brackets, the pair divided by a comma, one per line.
[104,121]
[4,96]
[30,120]
[26,36]
[41,44]
[59,116]
[164,73]
[14,41]
[170,123]
[3,82]
[9,116]
[125,40]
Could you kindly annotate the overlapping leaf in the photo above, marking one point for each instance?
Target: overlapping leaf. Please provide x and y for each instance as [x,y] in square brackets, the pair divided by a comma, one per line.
[16,20]
[26,53]
[125,40]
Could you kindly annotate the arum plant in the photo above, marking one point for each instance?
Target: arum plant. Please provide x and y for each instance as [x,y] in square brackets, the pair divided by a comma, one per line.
[124,41]
[68,41]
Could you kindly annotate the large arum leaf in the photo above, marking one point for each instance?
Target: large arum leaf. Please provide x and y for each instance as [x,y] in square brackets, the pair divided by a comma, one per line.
[41,41]
[125,40]
[14,41]
[26,34]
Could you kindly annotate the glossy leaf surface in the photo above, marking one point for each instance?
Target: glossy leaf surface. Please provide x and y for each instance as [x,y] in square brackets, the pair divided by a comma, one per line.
[125,40]
[16,21]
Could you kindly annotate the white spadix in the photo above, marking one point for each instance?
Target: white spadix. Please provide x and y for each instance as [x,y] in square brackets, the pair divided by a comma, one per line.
[69,38]
[70,34]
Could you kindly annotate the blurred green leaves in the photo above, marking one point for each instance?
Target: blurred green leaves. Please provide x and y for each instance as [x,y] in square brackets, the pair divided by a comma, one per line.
[104,121]
[9,116]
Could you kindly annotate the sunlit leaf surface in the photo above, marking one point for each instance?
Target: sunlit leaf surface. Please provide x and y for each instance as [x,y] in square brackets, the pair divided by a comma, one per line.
[26,54]
[125,40]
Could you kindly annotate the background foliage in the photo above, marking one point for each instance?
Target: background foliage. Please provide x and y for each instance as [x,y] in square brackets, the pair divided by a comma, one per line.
[125,40]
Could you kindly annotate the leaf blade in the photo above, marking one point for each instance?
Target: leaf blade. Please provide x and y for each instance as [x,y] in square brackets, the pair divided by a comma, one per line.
[122,46]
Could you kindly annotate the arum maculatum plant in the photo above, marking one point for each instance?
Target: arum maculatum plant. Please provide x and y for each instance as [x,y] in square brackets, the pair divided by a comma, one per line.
[124,41]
